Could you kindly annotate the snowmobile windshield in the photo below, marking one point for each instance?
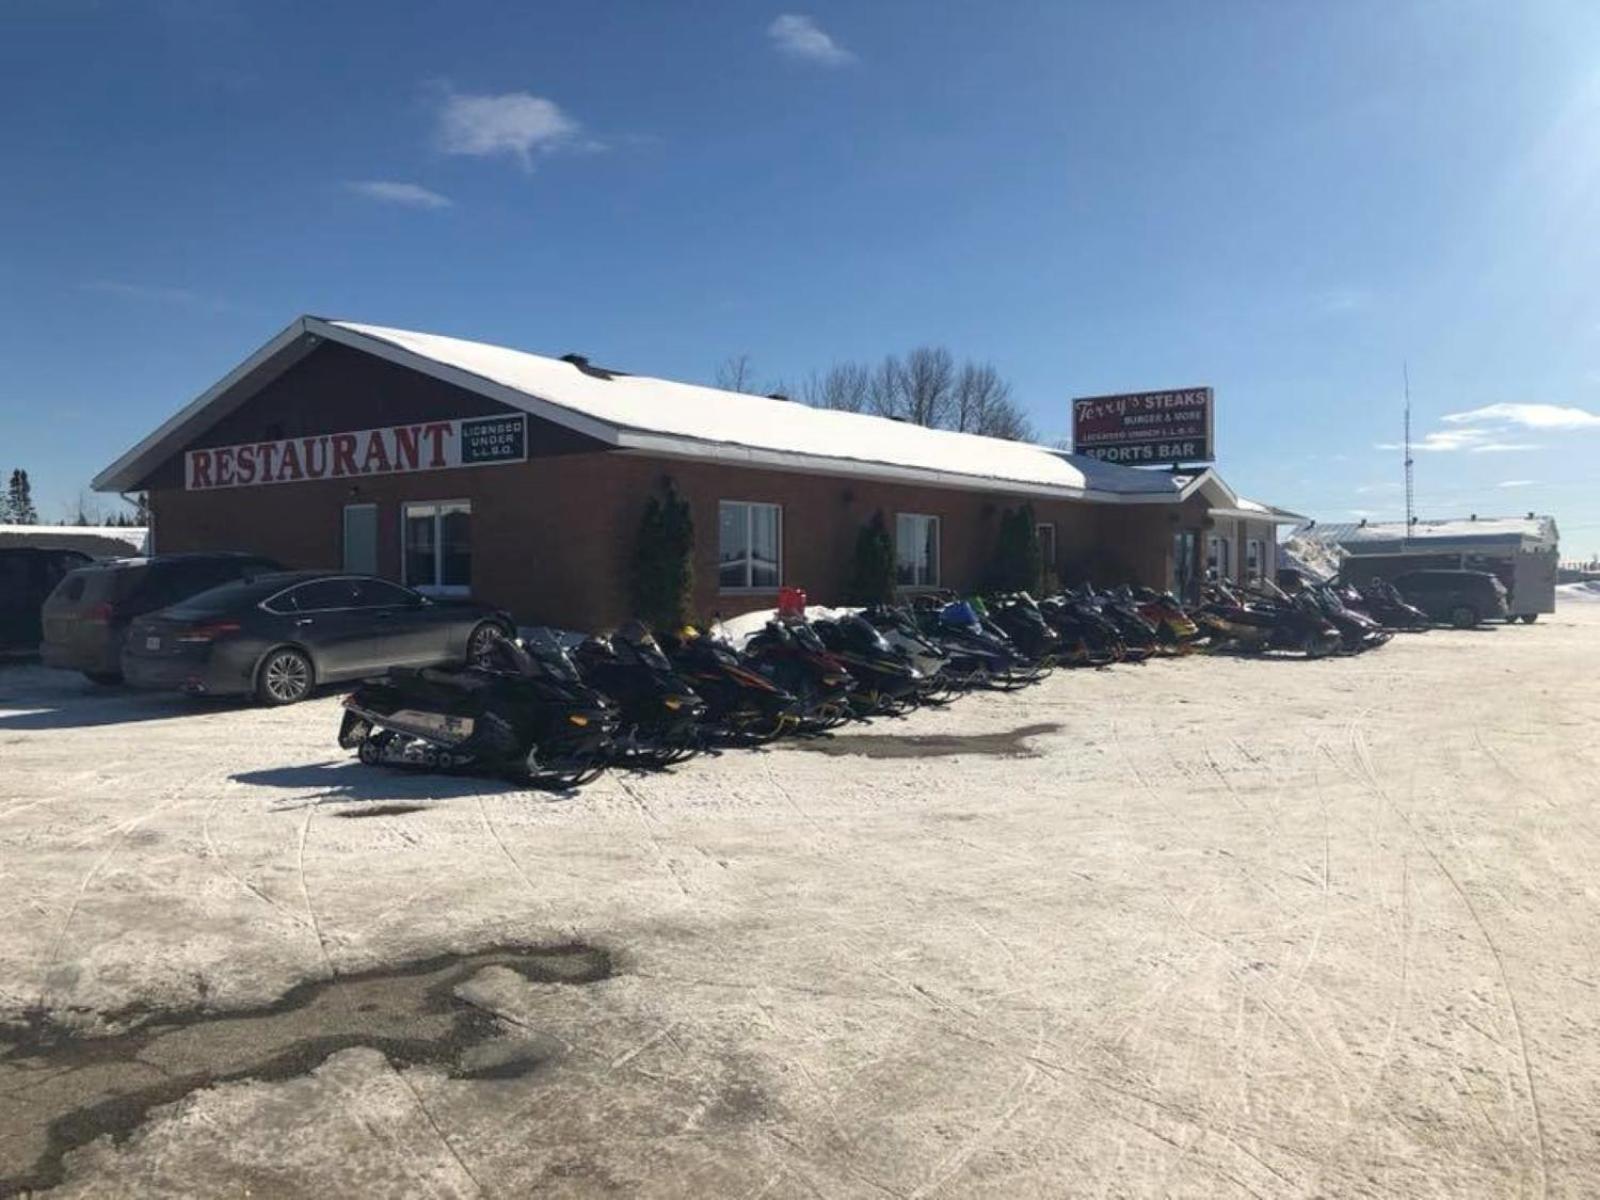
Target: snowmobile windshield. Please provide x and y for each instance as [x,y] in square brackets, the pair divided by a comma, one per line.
[863,635]
[550,656]
[636,646]
[960,614]
[806,638]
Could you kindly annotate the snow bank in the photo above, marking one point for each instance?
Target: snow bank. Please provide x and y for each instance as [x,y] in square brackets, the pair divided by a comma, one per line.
[739,630]
[1310,556]
[1585,593]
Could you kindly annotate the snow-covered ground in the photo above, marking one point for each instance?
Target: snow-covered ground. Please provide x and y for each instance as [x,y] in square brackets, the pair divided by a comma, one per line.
[1203,927]
[1583,593]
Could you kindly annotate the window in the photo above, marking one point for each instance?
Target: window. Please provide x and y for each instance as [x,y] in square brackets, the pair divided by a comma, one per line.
[1217,558]
[749,546]
[916,550]
[1253,556]
[1185,543]
[361,539]
[1047,544]
[436,547]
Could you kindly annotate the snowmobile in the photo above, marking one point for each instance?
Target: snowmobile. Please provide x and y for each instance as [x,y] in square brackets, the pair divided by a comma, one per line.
[1140,640]
[995,661]
[899,629]
[1382,601]
[521,711]
[1291,623]
[659,714]
[886,682]
[789,652]
[1083,623]
[1175,629]
[1357,630]
[1017,615]
[741,702]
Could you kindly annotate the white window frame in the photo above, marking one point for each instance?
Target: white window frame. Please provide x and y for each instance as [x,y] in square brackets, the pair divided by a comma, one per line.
[1219,550]
[1259,545]
[1049,559]
[440,509]
[750,507]
[938,550]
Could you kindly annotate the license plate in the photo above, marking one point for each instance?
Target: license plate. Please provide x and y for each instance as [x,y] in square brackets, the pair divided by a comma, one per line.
[152,643]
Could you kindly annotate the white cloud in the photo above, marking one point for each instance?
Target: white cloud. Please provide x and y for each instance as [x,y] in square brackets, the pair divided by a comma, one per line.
[1473,441]
[1339,301]
[1368,489]
[1528,416]
[1516,483]
[151,294]
[408,195]
[800,37]
[515,124]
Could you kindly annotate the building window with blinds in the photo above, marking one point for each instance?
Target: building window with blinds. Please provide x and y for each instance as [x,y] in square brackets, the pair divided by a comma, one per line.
[916,550]
[436,553]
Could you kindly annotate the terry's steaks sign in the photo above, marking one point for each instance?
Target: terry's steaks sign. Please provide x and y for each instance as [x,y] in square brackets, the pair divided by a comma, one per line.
[1145,427]
[399,449]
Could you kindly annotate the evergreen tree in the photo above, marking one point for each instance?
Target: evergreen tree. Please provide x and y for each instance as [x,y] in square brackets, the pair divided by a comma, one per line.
[1019,562]
[141,511]
[19,500]
[872,569]
[663,562]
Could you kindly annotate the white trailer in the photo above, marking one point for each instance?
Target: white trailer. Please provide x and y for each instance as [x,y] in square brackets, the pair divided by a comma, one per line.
[1522,552]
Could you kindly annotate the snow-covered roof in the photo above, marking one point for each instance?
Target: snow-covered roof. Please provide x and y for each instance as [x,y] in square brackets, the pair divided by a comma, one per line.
[1254,510]
[642,414]
[89,538]
[1530,531]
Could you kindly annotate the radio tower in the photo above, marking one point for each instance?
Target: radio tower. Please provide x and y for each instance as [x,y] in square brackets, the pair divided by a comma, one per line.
[1405,372]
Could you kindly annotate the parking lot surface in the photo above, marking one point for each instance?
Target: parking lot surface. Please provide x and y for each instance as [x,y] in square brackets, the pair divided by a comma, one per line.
[1207,926]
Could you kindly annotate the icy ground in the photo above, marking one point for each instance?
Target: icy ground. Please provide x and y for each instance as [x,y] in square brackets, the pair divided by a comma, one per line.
[1203,927]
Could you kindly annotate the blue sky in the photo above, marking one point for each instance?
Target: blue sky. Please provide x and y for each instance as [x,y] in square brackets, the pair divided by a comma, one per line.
[1284,201]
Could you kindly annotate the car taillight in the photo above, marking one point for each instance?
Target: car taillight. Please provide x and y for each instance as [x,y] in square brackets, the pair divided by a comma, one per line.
[208,632]
[101,613]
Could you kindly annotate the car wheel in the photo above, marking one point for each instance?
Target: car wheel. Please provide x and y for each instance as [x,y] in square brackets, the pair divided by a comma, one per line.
[1463,616]
[1529,618]
[104,678]
[482,641]
[284,677]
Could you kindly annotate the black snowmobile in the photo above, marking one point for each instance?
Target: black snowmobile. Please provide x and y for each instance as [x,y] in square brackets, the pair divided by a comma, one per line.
[658,721]
[886,682]
[791,654]
[742,703]
[521,711]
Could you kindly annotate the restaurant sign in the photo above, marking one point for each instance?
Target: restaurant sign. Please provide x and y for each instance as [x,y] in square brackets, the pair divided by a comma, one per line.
[398,449]
[1145,428]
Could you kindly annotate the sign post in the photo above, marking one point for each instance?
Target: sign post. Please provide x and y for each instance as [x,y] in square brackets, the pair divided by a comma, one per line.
[1145,428]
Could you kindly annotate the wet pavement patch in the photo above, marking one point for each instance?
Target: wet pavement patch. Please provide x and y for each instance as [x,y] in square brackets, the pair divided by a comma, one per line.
[381,810]
[1008,743]
[60,1090]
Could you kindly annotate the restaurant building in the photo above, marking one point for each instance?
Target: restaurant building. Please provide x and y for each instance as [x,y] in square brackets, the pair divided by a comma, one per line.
[460,468]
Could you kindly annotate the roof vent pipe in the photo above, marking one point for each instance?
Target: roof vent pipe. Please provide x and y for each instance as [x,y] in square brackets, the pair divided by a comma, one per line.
[1473,517]
[776,396]
[577,360]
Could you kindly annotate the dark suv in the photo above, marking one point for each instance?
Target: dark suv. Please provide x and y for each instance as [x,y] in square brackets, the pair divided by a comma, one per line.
[1463,598]
[27,575]
[86,618]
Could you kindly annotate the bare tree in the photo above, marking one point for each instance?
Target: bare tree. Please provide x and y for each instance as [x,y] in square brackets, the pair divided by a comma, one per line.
[735,374]
[1004,418]
[925,388]
[886,388]
[929,382]
[846,387]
